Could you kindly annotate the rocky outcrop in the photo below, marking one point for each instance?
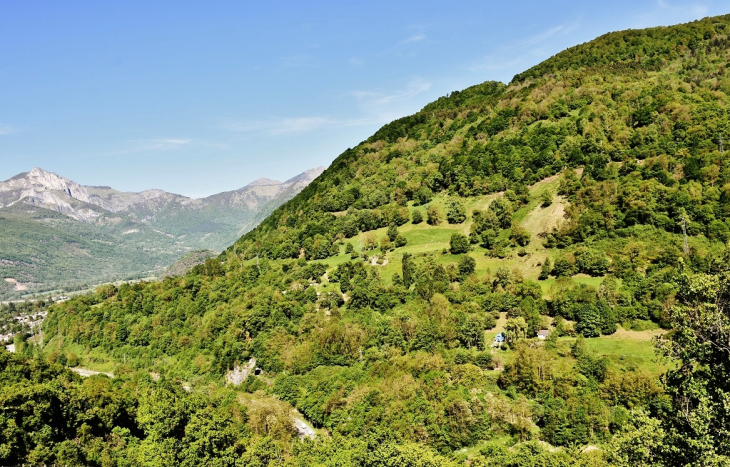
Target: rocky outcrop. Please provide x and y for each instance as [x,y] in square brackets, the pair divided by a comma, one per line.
[238,374]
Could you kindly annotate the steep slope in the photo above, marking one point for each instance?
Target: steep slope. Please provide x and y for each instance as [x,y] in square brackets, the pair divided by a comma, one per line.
[589,198]
[60,234]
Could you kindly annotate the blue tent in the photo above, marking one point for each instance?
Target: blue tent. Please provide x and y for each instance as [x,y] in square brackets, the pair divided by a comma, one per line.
[499,338]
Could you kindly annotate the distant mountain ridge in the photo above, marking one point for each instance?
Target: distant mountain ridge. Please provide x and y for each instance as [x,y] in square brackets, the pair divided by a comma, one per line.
[140,232]
[51,191]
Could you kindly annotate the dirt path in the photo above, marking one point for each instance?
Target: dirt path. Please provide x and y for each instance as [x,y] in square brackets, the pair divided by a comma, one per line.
[86,373]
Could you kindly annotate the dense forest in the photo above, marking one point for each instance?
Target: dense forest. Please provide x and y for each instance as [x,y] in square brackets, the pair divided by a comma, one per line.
[486,280]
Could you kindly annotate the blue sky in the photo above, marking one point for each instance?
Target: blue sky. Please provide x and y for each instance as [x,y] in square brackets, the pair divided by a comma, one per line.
[202,97]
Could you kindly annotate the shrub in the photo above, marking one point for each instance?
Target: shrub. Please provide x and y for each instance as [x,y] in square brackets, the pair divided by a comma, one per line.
[456,214]
[546,199]
[563,268]
[467,265]
[459,244]
[520,235]
[433,214]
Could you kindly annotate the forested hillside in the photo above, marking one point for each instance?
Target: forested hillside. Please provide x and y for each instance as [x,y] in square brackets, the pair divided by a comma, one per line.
[396,301]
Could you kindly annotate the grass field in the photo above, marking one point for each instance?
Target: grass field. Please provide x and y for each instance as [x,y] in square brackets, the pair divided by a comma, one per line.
[630,349]
[426,239]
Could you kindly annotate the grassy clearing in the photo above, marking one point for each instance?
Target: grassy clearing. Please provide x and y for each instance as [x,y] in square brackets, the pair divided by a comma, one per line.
[92,359]
[630,349]
[426,239]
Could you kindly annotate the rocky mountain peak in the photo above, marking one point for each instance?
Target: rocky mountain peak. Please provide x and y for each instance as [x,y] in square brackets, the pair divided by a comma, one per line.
[40,179]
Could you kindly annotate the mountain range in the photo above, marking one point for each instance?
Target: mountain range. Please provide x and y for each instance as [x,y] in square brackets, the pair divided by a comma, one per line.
[59,233]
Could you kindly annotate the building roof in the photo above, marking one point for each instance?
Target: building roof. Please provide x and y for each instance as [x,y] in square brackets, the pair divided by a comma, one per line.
[543,332]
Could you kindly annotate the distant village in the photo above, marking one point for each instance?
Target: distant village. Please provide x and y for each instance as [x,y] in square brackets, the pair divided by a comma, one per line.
[18,320]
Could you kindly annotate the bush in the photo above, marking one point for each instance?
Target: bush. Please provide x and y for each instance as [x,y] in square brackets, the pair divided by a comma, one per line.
[400,241]
[502,208]
[456,213]
[433,215]
[417,216]
[467,265]
[563,268]
[72,360]
[547,268]
[459,244]
[519,235]
[546,199]
[423,195]
[392,232]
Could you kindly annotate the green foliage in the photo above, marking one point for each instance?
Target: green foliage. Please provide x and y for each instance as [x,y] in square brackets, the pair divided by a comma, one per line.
[546,269]
[519,235]
[546,199]
[417,216]
[467,265]
[701,324]
[456,212]
[502,209]
[433,215]
[458,244]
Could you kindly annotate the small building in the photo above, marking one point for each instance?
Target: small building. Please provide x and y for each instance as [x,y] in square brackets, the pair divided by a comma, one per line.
[543,334]
[498,340]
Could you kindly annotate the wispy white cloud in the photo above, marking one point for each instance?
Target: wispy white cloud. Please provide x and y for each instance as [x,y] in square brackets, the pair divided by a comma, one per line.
[356,61]
[137,146]
[300,61]
[296,125]
[8,129]
[376,107]
[378,99]
[513,54]
[415,38]
[280,126]
[162,144]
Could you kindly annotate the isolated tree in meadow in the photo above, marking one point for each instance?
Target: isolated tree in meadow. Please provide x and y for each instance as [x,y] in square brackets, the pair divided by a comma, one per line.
[546,269]
[433,215]
[502,208]
[520,235]
[417,216]
[459,244]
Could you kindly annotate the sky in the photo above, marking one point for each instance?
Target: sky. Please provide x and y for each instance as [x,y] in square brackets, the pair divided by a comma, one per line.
[200,97]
